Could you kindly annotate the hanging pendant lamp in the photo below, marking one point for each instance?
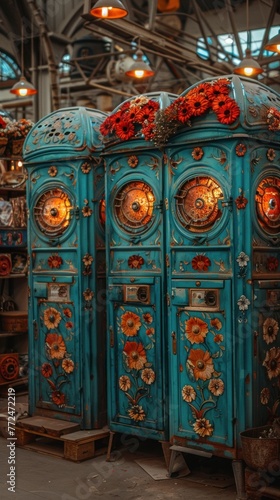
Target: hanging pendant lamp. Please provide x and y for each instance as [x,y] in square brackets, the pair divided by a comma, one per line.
[273,44]
[23,88]
[248,66]
[109,9]
[139,69]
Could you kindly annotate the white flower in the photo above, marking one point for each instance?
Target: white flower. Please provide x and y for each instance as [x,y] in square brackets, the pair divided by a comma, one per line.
[242,259]
[243,303]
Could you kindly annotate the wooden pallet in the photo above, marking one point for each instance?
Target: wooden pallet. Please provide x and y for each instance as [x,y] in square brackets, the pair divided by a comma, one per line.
[60,438]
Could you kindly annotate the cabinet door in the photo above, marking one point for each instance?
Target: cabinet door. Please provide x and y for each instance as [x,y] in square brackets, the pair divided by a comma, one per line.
[201,355]
[57,348]
[136,388]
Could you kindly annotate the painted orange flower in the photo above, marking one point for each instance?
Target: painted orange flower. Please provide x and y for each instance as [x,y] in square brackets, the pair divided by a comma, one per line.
[240,150]
[203,427]
[148,376]
[201,263]
[58,398]
[132,161]
[55,346]
[271,154]
[218,338]
[216,323]
[216,386]
[52,318]
[135,261]
[196,330]
[188,393]
[197,153]
[272,362]
[135,355]
[68,365]
[200,364]
[150,331]
[241,202]
[67,312]
[124,383]
[130,323]
[69,325]
[137,413]
[265,395]
[270,330]
[55,261]
[46,370]
[148,318]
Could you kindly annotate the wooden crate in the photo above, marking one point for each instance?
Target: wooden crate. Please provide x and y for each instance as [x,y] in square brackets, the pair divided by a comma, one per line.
[60,438]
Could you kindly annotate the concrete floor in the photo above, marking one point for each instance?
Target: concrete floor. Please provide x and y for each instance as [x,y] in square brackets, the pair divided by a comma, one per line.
[38,475]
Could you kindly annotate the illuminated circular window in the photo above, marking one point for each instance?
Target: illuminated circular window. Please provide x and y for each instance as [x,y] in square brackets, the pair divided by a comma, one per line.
[268,204]
[196,203]
[134,206]
[52,212]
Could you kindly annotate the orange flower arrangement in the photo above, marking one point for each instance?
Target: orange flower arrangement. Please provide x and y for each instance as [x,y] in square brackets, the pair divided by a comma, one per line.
[273,119]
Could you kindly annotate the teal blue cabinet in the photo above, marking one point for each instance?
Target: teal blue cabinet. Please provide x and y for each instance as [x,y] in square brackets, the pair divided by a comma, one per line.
[67,282]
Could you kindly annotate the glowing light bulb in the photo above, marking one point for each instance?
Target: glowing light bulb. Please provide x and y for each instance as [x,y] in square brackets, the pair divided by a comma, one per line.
[139,73]
[248,71]
[22,92]
[278,47]
[105,11]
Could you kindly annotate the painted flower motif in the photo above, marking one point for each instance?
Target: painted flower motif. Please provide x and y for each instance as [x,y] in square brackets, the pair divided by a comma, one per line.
[135,355]
[201,263]
[200,364]
[88,294]
[243,303]
[242,259]
[196,330]
[137,413]
[197,153]
[240,150]
[273,119]
[148,318]
[46,370]
[241,202]
[55,261]
[216,323]
[87,259]
[265,395]
[270,154]
[218,338]
[216,386]
[67,312]
[132,161]
[272,362]
[52,318]
[135,261]
[270,330]
[68,365]
[52,171]
[87,211]
[69,325]
[58,398]
[55,346]
[203,427]
[130,323]
[272,264]
[86,167]
[150,331]
[124,383]
[188,393]
[148,376]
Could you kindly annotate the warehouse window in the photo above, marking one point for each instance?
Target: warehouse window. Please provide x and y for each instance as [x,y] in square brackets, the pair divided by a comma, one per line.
[9,69]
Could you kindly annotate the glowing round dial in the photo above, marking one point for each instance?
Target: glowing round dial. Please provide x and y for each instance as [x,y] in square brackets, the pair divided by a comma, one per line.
[268,204]
[52,212]
[197,203]
[134,205]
